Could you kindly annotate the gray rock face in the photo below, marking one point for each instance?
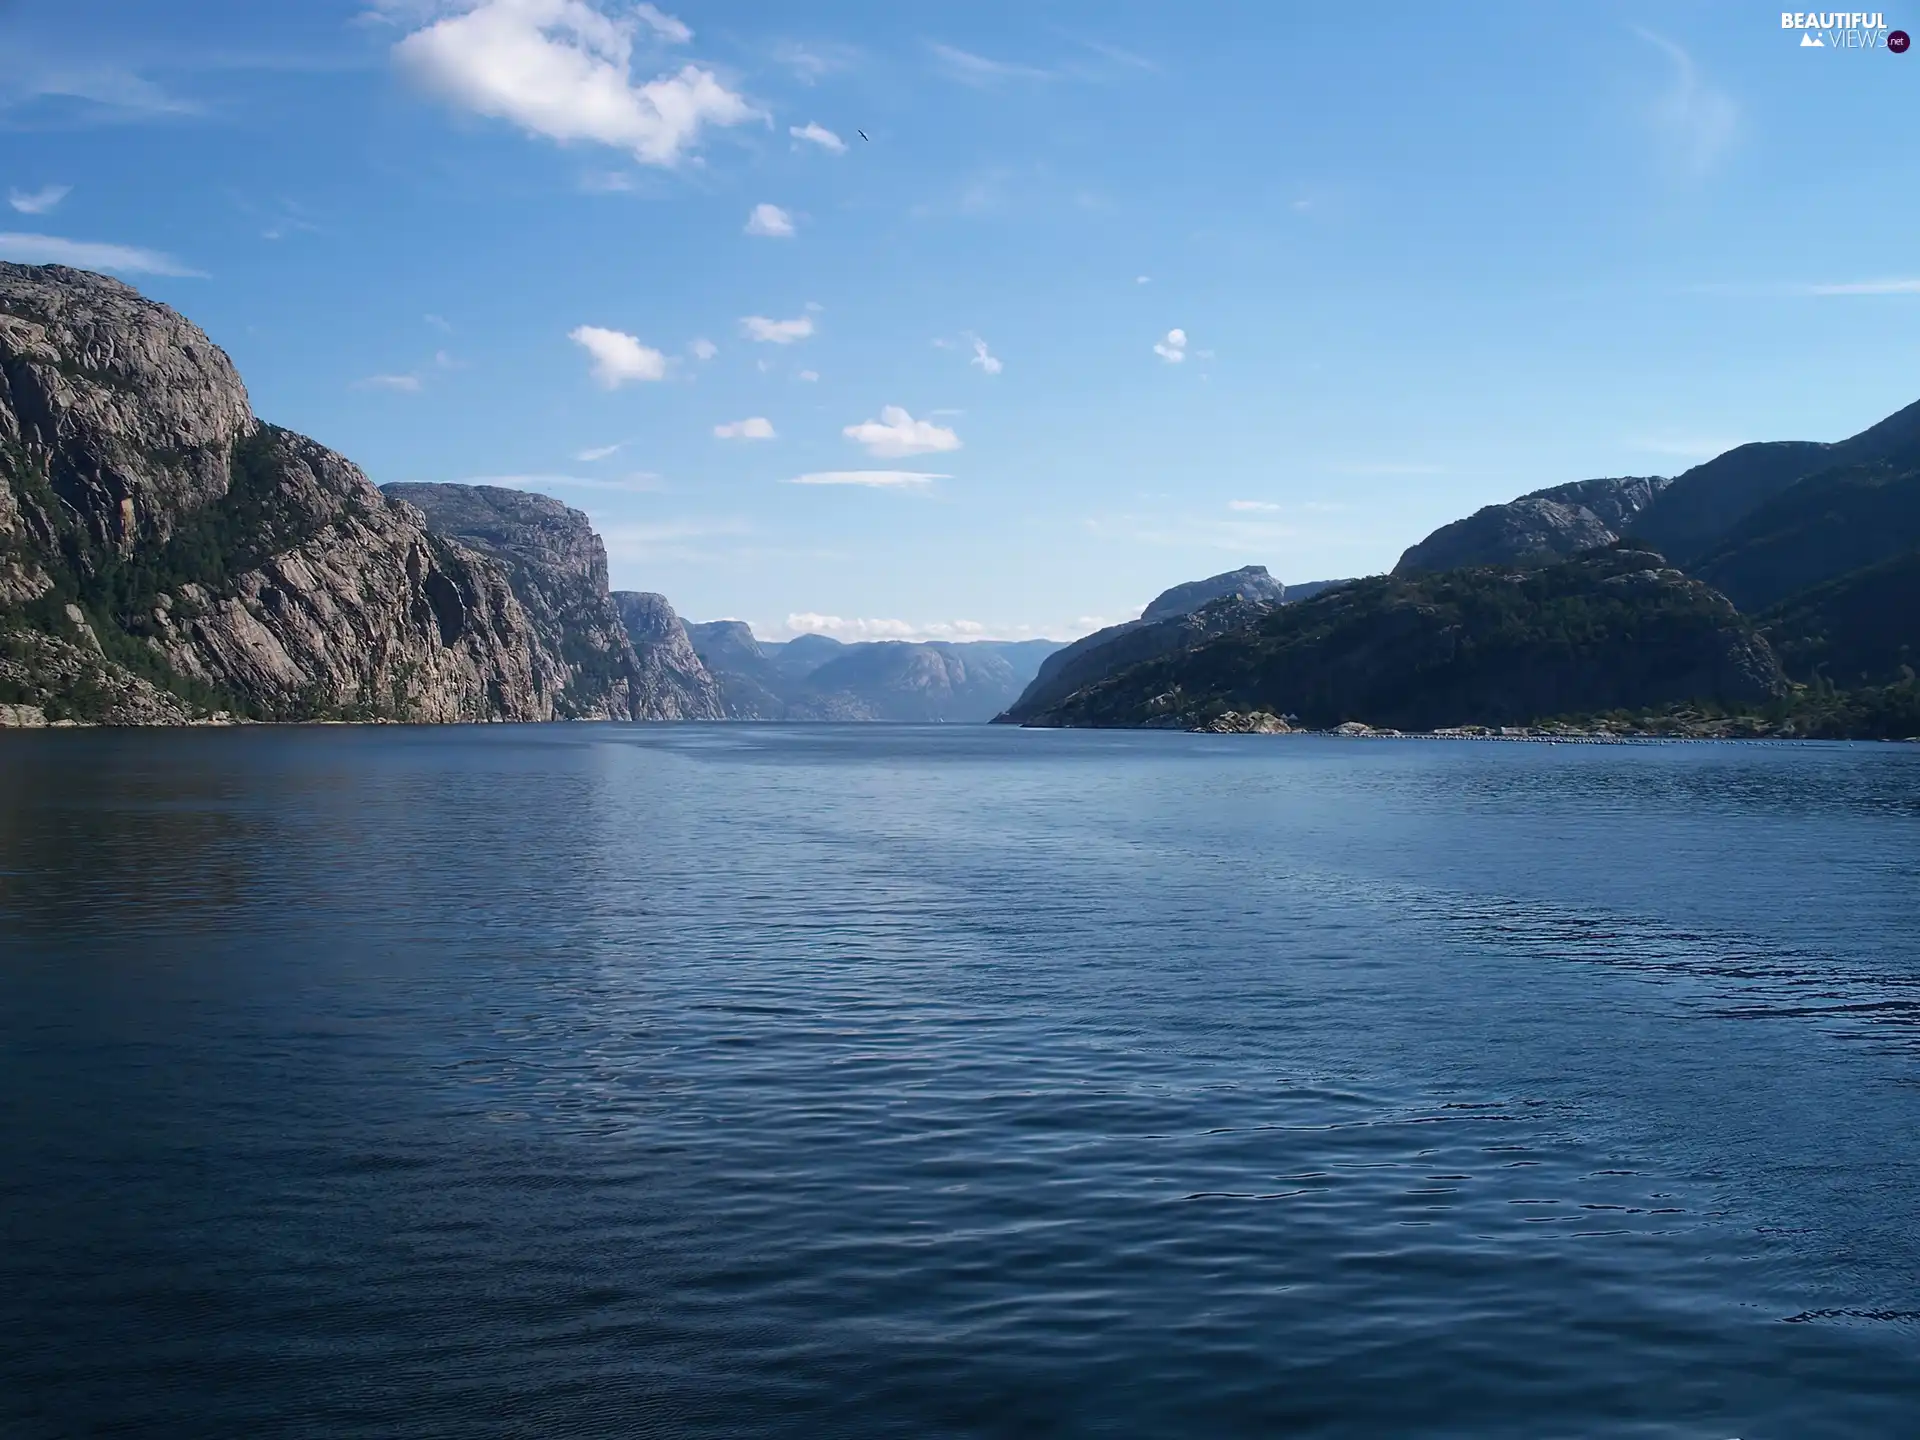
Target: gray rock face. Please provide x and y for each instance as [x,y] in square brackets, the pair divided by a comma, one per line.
[557,567]
[1537,529]
[217,563]
[672,683]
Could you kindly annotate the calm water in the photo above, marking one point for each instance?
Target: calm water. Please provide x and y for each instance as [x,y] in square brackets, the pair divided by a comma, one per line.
[868,1081]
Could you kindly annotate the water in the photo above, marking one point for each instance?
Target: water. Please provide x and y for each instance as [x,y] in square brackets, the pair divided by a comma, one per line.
[715,1081]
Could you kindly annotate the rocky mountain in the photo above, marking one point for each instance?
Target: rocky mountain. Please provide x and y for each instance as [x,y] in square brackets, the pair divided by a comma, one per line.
[1614,629]
[815,677]
[165,555]
[1177,619]
[1538,528]
[1700,508]
[672,683]
[557,567]
[1249,582]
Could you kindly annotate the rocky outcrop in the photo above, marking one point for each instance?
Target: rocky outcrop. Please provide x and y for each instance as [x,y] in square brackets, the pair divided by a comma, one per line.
[216,563]
[1618,629]
[671,682]
[1537,529]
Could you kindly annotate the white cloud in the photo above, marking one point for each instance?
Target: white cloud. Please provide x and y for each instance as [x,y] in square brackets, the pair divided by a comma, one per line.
[984,358]
[664,25]
[38,202]
[771,221]
[1251,505]
[808,375]
[897,434]
[599,452]
[90,255]
[1693,122]
[562,69]
[438,323]
[812,62]
[1143,279]
[1173,349]
[407,384]
[815,133]
[958,631]
[704,349]
[756,427]
[618,357]
[776,332]
[877,479]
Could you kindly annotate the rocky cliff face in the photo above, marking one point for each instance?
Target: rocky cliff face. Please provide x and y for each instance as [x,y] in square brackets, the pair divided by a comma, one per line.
[672,683]
[557,567]
[163,554]
[1537,529]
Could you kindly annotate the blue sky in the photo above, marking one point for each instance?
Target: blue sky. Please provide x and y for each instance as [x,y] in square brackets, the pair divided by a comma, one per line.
[1150,291]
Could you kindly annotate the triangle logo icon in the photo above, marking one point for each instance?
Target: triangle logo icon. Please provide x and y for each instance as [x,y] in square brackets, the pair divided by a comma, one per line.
[1808,42]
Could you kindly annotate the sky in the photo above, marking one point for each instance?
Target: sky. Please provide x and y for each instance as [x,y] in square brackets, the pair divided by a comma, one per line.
[1107,296]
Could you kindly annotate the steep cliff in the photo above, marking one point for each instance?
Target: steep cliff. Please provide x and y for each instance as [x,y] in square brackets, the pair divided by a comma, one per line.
[557,567]
[671,683]
[163,554]
[1617,629]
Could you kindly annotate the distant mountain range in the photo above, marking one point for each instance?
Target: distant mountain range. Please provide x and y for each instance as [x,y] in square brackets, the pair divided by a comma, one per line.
[165,556]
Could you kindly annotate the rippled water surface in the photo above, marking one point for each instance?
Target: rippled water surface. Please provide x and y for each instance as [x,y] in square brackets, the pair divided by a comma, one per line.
[720,1081]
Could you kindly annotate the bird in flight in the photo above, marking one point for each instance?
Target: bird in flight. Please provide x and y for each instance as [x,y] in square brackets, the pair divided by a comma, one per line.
[863,135]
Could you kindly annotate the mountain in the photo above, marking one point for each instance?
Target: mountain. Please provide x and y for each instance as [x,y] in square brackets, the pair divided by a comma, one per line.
[557,567]
[1860,629]
[1546,525]
[1840,519]
[1701,507]
[1614,629]
[815,677]
[671,682]
[1177,619]
[1249,582]
[165,555]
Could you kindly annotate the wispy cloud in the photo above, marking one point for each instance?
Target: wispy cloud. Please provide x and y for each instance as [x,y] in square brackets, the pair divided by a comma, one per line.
[1866,287]
[639,482]
[563,70]
[983,357]
[770,221]
[703,349]
[99,94]
[972,69]
[599,452]
[814,61]
[666,26]
[855,630]
[1172,349]
[814,133]
[896,435]
[875,479]
[809,376]
[1693,121]
[91,255]
[618,357]
[756,427]
[38,202]
[776,332]
[408,384]
[1252,505]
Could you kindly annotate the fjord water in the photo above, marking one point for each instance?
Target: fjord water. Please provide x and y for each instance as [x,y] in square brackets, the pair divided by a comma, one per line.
[607,1080]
